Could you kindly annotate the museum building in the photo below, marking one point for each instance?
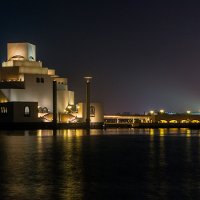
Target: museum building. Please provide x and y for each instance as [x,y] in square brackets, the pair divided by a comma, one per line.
[26,91]
[26,86]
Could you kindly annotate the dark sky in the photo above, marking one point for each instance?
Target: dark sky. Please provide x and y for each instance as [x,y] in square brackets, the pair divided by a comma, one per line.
[143,55]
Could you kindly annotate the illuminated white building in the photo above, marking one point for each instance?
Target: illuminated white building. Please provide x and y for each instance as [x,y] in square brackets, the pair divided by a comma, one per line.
[24,79]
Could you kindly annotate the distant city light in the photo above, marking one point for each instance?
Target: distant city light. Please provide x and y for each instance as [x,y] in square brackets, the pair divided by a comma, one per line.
[151,112]
[162,111]
[188,111]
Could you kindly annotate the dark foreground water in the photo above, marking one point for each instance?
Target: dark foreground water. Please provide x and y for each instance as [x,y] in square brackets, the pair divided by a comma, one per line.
[111,164]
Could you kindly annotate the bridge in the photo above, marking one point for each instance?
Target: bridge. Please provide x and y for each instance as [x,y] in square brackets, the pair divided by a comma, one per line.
[127,119]
[158,119]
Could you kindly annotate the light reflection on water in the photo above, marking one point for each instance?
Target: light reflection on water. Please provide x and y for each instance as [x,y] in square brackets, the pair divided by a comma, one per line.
[100,164]
[118,131]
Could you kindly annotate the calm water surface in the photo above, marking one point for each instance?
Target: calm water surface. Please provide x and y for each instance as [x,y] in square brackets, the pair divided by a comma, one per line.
[102,164]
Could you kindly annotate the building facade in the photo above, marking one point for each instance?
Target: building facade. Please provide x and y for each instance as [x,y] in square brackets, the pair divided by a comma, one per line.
[19,112]
[24,79]
[96,112]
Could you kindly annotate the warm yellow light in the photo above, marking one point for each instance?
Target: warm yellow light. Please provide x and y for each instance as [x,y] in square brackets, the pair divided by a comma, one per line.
[184,121]
[188,133]
[173,121]
[162,111]
[151,132]
[69,107]
[163,121]
[162,132]
[188,111]
[195,121]
[151,112]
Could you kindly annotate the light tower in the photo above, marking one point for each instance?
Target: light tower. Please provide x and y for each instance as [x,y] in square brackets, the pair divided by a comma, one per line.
[88,80]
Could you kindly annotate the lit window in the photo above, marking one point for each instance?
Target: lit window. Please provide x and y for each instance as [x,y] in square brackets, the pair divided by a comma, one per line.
[26,111]
[4,110]
[17,57]
[92,111]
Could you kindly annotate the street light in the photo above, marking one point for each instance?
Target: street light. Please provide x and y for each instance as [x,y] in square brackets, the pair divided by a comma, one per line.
[88,80]
[162,111]
[151,112]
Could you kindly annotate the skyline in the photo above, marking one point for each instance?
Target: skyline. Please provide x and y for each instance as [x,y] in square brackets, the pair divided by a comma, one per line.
[142,55]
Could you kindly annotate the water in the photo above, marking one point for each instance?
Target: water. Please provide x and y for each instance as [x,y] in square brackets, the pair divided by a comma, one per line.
[103,164]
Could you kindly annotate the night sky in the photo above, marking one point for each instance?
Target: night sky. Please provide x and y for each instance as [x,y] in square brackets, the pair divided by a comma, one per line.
[143,55]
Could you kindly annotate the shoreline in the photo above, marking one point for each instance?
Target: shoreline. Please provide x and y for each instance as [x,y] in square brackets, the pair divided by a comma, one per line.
[47,126]
[155,125]
[50,125]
